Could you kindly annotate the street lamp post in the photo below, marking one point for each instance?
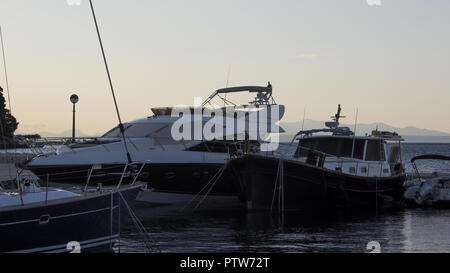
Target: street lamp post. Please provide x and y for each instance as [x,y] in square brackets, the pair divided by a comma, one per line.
[74,99]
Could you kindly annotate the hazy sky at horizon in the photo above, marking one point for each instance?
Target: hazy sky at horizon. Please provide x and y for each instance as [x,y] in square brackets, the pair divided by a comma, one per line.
[391,61]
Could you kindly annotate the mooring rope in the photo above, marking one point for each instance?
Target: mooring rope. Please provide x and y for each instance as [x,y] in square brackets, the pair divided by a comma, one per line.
[140,226]
[275,188]
[213,178]
[279,185]
[222,170]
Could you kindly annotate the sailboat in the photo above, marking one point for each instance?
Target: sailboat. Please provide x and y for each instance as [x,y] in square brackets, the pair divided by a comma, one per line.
[44,219]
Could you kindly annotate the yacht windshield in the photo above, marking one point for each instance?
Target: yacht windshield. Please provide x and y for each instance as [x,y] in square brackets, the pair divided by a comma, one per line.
[137,130]
[343,147]
[340,147]
[375,150]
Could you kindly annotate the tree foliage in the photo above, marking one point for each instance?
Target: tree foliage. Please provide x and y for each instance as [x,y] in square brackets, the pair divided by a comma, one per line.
[8,122]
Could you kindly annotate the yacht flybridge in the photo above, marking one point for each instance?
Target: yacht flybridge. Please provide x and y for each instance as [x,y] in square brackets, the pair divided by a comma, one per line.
[173,166]
[331,166]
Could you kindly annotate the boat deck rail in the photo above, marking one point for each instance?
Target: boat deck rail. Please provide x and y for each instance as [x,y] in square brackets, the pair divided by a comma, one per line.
[130,170]
[319,159]
[264,94]
[233,148]
[413,161]
[48,146]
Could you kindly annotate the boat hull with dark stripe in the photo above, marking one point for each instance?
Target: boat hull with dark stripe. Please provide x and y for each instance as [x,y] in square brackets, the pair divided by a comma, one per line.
[78,174]
[309,187]
[92,221]
[182,178]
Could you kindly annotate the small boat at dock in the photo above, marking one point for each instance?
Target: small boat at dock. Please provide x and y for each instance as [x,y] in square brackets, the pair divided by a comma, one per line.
[36,219]
[431,192]
[337,170]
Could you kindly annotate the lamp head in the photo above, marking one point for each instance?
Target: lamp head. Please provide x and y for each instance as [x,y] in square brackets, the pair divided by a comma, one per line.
[74,99]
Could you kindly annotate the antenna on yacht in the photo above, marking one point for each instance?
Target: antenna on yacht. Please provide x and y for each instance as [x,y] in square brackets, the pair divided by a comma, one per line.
[335,123]
[4,65]
[304,118]
[338,116]
[228,76]
[228,83]
[354,133]
[122,129]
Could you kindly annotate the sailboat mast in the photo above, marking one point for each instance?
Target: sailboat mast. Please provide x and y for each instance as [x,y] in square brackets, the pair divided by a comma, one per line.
[5,68]
[122,129]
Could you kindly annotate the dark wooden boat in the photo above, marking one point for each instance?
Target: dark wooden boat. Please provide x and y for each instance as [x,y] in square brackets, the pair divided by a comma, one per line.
[340,170]
[308,187]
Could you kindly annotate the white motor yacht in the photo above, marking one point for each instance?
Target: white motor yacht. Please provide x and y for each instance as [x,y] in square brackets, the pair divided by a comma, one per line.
[177,168]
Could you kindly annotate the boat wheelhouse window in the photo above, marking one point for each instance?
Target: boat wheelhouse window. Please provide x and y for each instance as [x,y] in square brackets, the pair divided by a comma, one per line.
[305,145]
[346,148]
[375,150]
[136,130]
[394,154]
[340,147]
[113,133]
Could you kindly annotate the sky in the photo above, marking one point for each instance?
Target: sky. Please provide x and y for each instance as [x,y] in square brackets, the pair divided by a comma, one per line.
[391,62]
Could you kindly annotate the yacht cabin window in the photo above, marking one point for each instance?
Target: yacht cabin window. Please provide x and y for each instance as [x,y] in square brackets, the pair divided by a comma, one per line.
[375,150]
[333,146]
[137,130]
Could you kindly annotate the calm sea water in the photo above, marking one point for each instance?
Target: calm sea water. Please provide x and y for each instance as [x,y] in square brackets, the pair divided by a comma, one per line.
[401,230]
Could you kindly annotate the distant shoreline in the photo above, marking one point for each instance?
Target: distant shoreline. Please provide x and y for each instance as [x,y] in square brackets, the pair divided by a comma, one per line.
[408,139]
[427,139]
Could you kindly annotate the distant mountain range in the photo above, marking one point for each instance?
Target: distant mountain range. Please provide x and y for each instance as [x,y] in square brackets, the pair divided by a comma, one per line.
[410,133]
[67,133]
[361,129]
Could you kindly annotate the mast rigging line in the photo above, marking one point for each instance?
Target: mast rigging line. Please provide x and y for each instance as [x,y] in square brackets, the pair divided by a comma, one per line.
[4,65]
[122,129]
[139,226]
[214,179]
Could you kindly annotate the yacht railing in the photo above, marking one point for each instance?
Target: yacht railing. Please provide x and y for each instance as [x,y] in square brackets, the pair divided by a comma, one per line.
[234,149]
[130,170]
[319,159]
[47,146]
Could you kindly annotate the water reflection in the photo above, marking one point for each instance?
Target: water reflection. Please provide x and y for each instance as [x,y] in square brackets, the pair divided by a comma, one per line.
[234,230]
[427,230]
[237,231]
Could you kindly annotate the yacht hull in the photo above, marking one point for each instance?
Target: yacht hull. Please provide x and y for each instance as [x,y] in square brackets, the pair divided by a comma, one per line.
[91,223]
[307,187]
[180,178]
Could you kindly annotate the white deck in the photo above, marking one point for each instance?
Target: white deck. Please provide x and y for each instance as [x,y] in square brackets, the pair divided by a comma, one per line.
[13,198]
